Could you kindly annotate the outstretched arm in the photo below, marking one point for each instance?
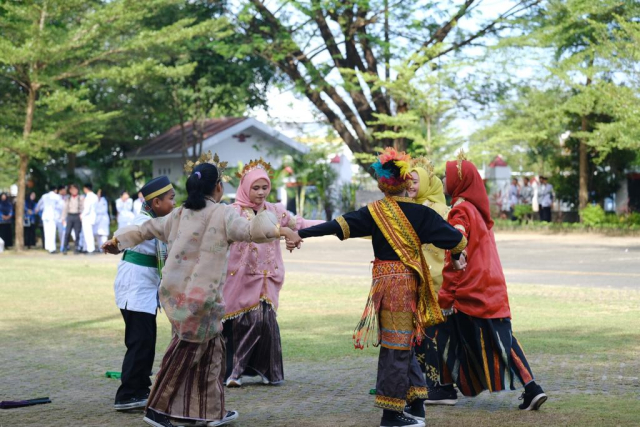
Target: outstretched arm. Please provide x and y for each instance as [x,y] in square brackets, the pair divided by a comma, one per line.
[132,235]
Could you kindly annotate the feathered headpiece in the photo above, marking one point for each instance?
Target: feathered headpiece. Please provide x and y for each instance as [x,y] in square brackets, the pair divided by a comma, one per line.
[393,170]
[256,164]
[211,159]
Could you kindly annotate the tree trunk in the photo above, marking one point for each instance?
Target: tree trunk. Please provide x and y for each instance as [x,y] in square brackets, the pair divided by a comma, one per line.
[71,166]
[583,192]
[583,171]
[22,170]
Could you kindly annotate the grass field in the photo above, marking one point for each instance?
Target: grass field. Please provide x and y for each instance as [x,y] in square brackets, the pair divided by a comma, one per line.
[60,331]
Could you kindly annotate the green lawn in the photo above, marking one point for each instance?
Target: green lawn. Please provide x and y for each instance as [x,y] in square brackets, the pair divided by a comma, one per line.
[58,316]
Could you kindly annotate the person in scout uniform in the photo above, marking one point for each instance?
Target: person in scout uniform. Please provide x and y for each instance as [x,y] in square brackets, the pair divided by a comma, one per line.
[136,290]
[402,302]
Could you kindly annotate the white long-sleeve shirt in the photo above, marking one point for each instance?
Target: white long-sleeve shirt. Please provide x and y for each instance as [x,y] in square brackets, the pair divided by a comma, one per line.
[89,210]
[48,205]
[136,287]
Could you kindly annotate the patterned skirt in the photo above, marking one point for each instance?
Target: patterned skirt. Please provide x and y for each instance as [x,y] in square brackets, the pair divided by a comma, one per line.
[189,382]
[475,354]
[256,346]
[390,308]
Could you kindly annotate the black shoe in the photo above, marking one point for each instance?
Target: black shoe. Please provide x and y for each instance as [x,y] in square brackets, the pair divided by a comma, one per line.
[228,418]
[156,419]
[133,403]
[533,400]
[398,419]
[442,395]
[415,410]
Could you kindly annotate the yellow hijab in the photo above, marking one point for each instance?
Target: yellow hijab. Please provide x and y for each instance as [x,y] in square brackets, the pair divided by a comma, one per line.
[430,188]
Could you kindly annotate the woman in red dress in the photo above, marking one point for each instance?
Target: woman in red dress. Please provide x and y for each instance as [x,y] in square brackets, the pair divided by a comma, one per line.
[475,348]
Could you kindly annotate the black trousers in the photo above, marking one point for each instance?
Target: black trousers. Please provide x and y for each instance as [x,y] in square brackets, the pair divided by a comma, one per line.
[227,333]
[30,236]
[6,234]
[140,339]
[545,214]
[73,223]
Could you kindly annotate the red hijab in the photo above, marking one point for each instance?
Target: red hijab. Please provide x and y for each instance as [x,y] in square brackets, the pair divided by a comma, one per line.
[470,187]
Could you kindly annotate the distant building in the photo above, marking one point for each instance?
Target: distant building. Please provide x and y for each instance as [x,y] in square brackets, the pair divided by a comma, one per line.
[235,139]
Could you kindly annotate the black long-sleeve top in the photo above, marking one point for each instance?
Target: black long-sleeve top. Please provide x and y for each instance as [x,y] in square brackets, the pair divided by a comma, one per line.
[429,226]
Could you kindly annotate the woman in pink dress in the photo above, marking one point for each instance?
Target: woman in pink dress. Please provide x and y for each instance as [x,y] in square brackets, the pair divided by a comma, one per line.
[255,275]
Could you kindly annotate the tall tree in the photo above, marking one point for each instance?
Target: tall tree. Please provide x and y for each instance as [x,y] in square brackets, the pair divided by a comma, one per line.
[51,48]
[336,52]
[585,36]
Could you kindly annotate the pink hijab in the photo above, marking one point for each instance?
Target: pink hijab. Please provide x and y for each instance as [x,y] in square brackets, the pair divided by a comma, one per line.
[242,195]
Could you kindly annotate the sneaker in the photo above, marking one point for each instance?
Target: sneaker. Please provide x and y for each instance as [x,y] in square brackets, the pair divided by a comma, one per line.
[133,403]
[532,401]
[398,419]
[234,382]
[229,418]
[442,395]
[156,419]
[415,411]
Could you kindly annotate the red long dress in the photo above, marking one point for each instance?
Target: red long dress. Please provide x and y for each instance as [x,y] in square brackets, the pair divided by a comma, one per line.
[481,290]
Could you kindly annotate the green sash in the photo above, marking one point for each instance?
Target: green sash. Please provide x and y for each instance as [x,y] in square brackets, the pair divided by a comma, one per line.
[142,260]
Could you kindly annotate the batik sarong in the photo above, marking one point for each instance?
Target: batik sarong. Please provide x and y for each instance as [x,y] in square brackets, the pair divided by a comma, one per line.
[393,298]
[189,382]
[475,354]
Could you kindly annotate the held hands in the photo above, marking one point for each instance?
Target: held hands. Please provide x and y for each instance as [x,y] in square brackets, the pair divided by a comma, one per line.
[460,264]
[111,247]
[292,238]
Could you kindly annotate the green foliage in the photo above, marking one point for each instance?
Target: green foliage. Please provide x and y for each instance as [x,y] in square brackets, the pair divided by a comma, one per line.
[355,62]
[520,211]
[593,216]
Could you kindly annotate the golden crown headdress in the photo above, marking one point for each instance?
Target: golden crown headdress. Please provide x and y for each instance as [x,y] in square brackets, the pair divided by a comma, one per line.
[424,163]
[256,164]
[461,157]
[211,159]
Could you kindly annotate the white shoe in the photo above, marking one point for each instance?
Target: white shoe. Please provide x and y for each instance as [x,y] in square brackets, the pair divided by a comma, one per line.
[233,382]
[230,417]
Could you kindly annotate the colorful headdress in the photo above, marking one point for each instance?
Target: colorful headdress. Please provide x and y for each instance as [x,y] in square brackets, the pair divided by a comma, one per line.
[424,163]
[256,164]
[211,159]
[461,157]
[392,170]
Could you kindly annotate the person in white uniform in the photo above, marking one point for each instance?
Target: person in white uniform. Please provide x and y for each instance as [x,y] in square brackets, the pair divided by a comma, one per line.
[124,206]
[88,217]
[136,290]
[101,227]
[48,206]
[137,205]
[62,192]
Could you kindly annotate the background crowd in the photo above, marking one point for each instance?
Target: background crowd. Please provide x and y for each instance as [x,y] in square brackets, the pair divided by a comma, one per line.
[65,216]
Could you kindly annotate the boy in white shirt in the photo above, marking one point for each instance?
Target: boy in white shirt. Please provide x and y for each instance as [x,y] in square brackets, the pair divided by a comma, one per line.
[136,291]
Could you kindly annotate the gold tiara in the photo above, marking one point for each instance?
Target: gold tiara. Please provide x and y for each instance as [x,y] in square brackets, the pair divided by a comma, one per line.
[212,160]
[256,164]
[461,157]
[424,163]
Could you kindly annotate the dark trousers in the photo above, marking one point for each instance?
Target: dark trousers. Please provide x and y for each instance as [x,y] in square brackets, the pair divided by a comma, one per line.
[140,339]
[30,236]
[545,214]
[400,379]
[227,333]
[73,223]
[6,234]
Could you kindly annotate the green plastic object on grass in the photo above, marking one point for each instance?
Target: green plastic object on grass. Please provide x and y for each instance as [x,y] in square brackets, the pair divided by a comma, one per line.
[372,391]
[113,374]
